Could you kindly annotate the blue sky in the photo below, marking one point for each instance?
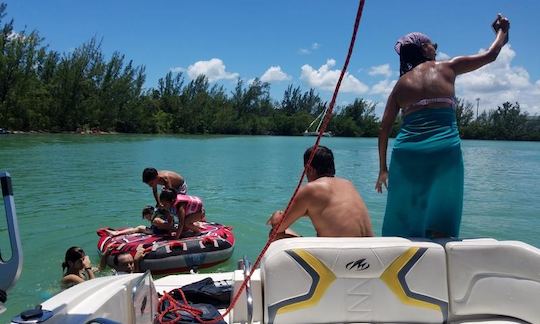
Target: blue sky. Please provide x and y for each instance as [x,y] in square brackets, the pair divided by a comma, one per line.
[299,42]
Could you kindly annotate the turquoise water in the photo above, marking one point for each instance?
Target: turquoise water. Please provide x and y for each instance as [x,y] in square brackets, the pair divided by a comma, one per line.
[67,186]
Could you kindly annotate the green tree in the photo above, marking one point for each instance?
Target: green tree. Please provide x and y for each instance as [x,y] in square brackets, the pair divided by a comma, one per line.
[508,122]
[357,119]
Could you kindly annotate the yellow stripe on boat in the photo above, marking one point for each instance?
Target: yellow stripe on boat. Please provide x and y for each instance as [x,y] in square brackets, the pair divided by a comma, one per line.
[313,267]
[390,277]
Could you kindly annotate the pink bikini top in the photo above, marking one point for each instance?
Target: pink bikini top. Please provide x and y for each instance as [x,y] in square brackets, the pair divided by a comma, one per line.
[451,101]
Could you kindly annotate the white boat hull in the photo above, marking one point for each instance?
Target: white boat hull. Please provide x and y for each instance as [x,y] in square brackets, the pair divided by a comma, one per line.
[346,280]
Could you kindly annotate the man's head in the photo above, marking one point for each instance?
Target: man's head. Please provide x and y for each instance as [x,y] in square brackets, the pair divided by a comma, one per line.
[414,49]
[322,164]
[150,176]
[124,262]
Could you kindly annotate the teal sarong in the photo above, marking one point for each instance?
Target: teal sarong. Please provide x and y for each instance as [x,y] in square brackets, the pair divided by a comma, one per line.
[425,180]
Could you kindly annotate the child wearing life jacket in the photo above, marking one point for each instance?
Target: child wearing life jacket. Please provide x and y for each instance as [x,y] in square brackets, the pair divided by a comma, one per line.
[162,224]
[188,209]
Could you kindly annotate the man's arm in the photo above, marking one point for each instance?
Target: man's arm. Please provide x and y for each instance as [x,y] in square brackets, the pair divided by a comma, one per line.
[156,196]
[103,259]
[299,208]
[137,258]
[464,64]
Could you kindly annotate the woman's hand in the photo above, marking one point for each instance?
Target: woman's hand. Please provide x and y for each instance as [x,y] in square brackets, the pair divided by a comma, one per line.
[501,23]
[382,180]
[86,262]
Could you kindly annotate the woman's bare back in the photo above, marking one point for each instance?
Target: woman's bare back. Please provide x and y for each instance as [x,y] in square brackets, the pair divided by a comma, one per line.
[428,80]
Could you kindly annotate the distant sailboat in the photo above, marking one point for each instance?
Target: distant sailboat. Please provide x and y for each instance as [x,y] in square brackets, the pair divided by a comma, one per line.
[320,118]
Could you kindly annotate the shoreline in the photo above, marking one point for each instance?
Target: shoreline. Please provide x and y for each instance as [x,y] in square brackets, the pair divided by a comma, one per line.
[99,132]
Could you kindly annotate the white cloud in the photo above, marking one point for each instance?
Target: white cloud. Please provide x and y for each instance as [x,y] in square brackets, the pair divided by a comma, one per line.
[325,78]
[498,82]
[383,70]
[14,35]
[383,88]
[274,73]
[214,70]
[178,69]
[441,56]
[305,51]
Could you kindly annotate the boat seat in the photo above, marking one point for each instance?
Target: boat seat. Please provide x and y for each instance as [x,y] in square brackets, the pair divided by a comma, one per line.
[333,280]
[497,320]
[489,277]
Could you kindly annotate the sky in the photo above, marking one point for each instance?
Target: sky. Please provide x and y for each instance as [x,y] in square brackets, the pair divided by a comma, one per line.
[299,42]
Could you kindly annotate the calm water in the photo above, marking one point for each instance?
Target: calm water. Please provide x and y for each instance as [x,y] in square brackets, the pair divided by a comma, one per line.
[67,186]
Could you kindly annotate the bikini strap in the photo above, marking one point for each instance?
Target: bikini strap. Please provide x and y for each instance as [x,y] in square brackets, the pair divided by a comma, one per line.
[430,101]
[426,102]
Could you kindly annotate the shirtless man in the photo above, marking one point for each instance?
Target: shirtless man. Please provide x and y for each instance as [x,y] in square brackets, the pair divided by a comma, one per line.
[123,262]
[333,204]
[167,179]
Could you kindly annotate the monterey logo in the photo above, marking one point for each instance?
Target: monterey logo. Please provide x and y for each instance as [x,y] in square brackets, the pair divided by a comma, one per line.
[359,265]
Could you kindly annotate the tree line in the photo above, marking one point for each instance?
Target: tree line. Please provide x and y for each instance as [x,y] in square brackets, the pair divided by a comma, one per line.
[44,90]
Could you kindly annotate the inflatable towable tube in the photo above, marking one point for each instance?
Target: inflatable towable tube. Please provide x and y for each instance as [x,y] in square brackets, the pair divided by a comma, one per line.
[164,254]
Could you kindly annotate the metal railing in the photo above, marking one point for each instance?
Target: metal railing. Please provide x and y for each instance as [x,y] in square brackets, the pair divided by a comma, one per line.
[10,270]
[246,267]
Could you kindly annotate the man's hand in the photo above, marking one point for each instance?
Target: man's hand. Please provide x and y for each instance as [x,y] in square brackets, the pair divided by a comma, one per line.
[275,218]
[140,253]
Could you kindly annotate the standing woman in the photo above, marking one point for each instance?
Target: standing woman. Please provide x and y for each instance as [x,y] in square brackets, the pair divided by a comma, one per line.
[77,267]
[425,182]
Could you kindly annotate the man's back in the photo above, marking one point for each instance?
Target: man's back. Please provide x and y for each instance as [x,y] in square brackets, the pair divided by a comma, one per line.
[171,179]
[336,208]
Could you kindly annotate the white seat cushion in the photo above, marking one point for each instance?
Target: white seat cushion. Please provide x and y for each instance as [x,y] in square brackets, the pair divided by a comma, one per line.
[492,277]
[323,280]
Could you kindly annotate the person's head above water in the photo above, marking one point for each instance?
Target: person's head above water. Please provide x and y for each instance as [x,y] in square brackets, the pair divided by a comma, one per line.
[74,258]
[124,262]
[322,163]
[414,49]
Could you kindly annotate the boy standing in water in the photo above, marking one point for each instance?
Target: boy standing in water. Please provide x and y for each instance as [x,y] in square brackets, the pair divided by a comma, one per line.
[168,179]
